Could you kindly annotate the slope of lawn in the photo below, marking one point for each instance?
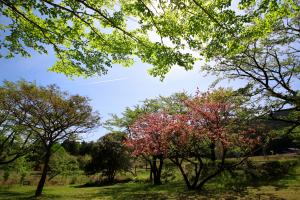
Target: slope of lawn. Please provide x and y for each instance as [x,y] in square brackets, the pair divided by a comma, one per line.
[287,187]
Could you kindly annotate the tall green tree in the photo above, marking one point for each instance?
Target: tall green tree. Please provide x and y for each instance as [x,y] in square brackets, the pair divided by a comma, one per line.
[51,115]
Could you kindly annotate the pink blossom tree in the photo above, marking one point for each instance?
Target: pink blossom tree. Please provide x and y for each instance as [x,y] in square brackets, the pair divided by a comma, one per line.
[147,140]
[210,124]
[197,140]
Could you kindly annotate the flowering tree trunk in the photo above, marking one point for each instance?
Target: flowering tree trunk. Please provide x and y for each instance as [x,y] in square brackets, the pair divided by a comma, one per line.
[156,164]
[219,169]
[193,178]
[156,169]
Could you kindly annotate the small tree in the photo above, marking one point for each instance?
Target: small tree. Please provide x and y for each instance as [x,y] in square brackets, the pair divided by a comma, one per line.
[22,166]
[50,115]
[147,140]
[110,155]
[61,163]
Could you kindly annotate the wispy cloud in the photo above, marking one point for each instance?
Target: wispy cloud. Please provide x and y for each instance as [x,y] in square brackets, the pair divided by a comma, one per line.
[107,81]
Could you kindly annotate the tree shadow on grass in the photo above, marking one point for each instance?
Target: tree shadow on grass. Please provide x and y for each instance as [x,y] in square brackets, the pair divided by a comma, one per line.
[280,182]
[102,183]
[277,187]
[134,193]
[9,195]
[269,186]
[120,193]
[138,191]
[171,191]
[28,195]
[233,195]
[176,190]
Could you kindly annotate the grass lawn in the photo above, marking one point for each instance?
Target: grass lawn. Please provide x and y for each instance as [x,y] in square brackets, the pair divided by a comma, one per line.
[285,188]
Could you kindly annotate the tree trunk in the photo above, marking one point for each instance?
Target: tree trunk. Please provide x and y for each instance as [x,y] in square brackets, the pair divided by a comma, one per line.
[201,184]
[111,177]
[157,170]
[217,172]
[154,170]
[42,181]
[212,152]
[190,183]
[157,180]
[185,178]
[151,172]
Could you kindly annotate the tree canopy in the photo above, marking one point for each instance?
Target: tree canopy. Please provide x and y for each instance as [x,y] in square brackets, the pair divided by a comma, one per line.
[49,114]
[87,36]
[255,40]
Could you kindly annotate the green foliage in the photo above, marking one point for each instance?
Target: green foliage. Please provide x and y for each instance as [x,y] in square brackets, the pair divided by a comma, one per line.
[87,36]
[61,163]
[86,148]
[110,156]
[6,175]
[21,166]
[71,146]
[36,108]
[82,33]
[129,116]
[81,150]
[83,161]
[168,174]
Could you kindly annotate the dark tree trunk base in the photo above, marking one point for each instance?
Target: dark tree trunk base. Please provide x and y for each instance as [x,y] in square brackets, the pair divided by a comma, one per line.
[42,181]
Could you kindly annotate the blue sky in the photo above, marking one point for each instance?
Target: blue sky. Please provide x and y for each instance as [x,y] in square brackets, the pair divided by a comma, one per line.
[120,88]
